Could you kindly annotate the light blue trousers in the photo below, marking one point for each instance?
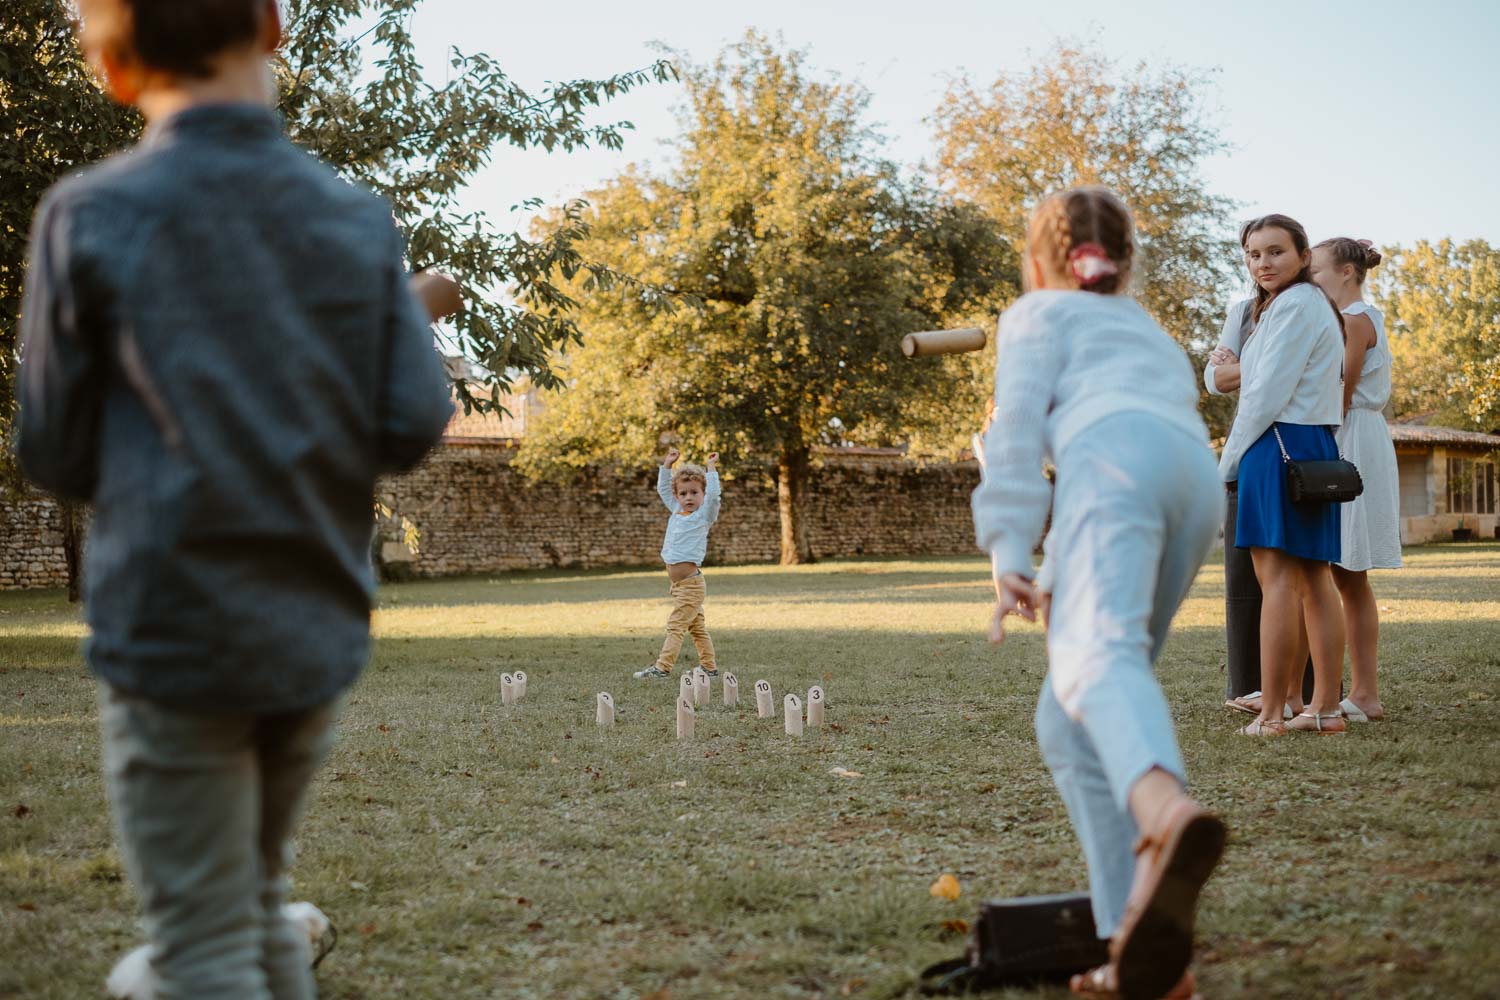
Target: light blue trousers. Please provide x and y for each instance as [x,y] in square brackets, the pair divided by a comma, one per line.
[205,806]
[1137,507]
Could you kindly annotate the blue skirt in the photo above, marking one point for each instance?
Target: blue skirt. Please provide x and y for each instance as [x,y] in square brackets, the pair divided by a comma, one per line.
[1267,518]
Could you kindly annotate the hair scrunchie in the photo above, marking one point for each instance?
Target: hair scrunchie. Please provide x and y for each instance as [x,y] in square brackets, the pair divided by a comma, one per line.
[1090,264]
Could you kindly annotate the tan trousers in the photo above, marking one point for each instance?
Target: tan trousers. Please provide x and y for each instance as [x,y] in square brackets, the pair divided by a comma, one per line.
[687,618]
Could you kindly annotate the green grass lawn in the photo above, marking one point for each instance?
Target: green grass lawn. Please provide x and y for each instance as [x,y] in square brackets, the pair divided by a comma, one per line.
[470,850]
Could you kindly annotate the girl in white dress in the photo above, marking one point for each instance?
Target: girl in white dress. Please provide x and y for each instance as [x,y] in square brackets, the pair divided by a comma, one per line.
[1371,532]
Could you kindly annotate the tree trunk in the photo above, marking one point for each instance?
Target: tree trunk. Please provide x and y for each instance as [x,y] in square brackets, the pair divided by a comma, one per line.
[791,492]
[72,532]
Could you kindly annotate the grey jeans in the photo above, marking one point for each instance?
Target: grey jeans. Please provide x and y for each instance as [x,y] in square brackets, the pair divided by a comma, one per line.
[205,806]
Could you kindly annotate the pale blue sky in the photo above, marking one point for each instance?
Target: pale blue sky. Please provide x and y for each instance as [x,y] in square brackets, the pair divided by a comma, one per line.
[1376,120]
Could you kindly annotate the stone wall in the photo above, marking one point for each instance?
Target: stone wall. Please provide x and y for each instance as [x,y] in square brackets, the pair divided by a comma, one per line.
[476,514]
[31,542]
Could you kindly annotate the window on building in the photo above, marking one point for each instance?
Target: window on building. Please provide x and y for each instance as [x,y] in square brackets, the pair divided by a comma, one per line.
[1472,486]
[1457,481]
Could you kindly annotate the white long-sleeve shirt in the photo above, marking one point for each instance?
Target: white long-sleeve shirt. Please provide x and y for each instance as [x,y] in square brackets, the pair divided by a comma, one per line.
[687,534]
[1063,361]
[1237,326]
[1290,371]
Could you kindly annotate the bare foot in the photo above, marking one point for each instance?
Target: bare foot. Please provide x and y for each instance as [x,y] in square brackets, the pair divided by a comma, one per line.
[1103,983]
[1373,709]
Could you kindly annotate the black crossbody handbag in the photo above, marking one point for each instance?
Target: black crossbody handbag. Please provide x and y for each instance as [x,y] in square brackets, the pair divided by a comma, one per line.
[1022,942]
[1320,481]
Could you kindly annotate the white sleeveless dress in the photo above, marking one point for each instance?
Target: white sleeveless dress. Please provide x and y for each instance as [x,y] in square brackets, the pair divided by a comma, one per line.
[1370,524]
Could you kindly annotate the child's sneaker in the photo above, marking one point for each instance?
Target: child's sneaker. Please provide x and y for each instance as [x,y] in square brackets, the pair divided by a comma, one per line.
[712,673]
[651,673]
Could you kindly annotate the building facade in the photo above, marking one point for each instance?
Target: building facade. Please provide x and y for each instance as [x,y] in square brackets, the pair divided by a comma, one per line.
[1450,481]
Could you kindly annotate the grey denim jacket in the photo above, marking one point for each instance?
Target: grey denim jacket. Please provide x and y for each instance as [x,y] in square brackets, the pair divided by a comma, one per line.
[220,352]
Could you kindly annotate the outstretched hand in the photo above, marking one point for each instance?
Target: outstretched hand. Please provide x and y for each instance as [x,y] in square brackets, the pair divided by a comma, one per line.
[438,293]
[671,457]
[1016,595]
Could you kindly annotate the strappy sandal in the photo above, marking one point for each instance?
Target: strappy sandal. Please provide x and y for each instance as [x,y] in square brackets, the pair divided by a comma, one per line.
[1154,943]
[1260,728]
[1101,984]
[1317,726]
[1242,704]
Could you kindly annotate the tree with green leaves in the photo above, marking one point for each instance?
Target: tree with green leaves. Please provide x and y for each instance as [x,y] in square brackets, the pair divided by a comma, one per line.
[1442,310]
[416,143]
[809,257]
[53,119]
[419,144]
[1078,117]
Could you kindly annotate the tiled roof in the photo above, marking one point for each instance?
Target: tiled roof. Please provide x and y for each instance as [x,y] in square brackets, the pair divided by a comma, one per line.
[1424,434]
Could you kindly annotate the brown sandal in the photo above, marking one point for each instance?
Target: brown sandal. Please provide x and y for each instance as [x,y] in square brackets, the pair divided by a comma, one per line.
[1100,984]
[1154,943]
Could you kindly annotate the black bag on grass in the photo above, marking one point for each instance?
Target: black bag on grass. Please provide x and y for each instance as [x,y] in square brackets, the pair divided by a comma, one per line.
[1022,942]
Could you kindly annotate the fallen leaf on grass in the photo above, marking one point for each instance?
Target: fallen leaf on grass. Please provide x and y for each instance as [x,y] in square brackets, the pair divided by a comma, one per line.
[358,886]
[535,925]
[28,907]
[955,926]
[22,810]
[679,784]
[843,772]
[946,887]
[847,990]
[367,929]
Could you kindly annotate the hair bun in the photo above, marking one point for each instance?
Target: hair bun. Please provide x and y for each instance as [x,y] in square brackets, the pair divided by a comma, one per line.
[1372,256]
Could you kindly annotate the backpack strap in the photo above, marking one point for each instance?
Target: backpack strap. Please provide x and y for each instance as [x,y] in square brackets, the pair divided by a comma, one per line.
[954,977]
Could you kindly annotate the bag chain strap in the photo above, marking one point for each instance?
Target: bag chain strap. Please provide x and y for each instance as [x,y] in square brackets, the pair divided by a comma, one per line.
[1282,445]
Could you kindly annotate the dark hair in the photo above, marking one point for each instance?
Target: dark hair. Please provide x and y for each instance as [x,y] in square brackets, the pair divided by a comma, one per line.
[1299,242]
[183,36]
[1082,215]
[1360,253]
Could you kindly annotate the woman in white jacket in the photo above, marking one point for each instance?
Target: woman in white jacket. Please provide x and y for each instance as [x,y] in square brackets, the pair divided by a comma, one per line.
[1290,403]
[1083,375]
[1242,596]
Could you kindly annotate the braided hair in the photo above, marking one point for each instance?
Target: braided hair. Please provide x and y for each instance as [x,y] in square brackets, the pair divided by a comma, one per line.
[1073,227]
